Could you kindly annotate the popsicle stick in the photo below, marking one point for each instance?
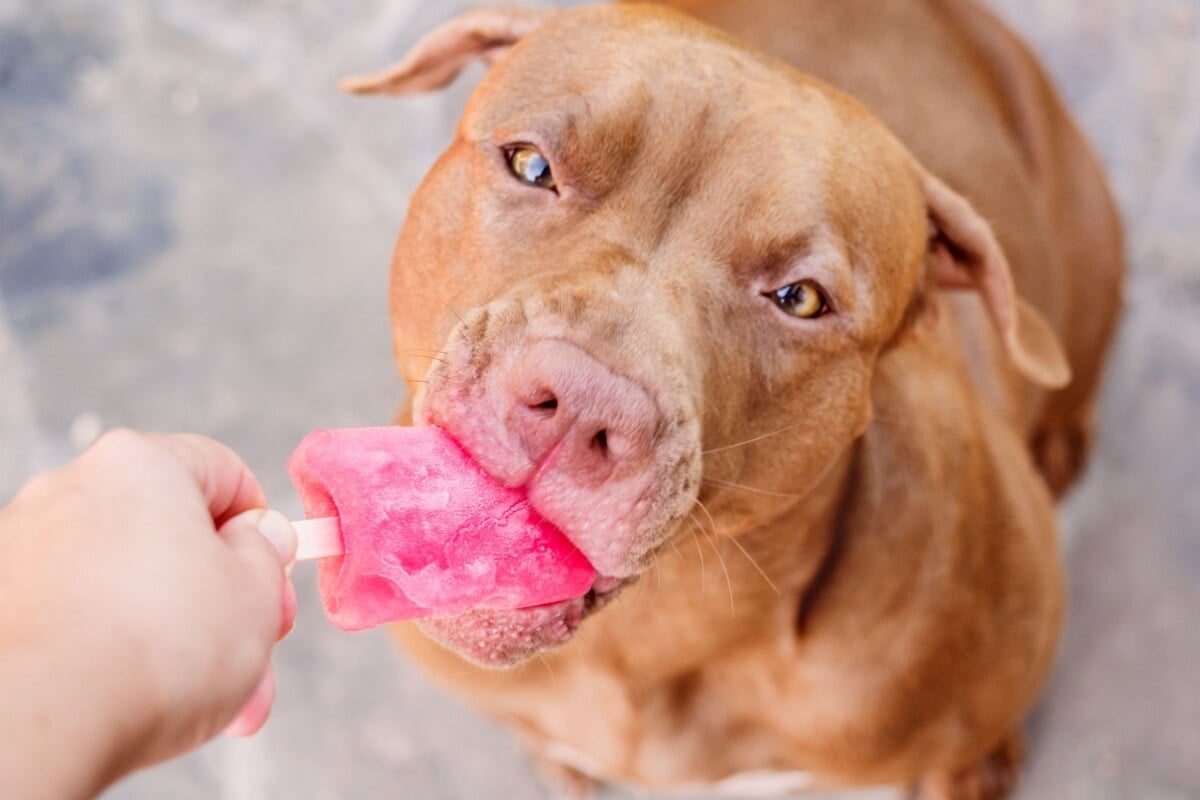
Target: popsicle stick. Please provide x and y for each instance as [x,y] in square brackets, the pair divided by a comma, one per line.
[318,538]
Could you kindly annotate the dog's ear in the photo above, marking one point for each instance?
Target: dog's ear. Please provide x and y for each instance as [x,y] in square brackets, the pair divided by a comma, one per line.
[964,253]
[436,60]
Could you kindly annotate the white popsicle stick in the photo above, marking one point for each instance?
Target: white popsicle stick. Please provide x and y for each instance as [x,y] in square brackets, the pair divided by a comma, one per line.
[318,538]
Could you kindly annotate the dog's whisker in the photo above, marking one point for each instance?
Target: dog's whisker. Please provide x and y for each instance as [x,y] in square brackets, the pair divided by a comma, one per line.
[724,568]
[755,564]
[729,485]
[712,520]
[431,358]
[674,546]
[546,664]
[700,553]
[715,537]
[643,586]
[750,441]
[446,301]
[423,350]
[720,557]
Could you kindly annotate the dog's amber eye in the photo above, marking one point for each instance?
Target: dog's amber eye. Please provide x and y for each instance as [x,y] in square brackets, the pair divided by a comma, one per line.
[531,167]
[803,299]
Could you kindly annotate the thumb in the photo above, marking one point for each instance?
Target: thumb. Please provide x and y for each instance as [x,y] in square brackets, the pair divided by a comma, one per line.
[270,540]
[259,535]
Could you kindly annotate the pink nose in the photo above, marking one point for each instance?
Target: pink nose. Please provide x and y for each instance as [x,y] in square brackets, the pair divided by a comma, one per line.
[569,407]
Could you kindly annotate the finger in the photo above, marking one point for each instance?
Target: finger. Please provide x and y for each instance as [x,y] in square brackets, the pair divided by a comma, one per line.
[253,715]
[275,528]
[266,543]
[289,609]
[228,485]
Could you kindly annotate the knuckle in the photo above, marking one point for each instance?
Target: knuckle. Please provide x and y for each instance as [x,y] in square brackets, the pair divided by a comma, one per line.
[120,441]
[43,484]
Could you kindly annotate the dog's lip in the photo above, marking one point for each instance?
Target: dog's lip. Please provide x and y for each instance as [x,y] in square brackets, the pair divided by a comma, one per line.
[499,638]
[527,484]
[604,589]
[570,614]
[505,638]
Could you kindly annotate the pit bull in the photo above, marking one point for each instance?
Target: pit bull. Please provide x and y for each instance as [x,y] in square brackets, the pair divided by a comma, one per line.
[791,315]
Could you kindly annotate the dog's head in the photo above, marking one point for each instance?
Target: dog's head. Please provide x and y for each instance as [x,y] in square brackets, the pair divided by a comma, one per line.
[653,265]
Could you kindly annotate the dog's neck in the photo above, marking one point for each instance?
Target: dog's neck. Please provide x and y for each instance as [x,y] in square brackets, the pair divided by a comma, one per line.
[733,582]
[861,511]
[930,455]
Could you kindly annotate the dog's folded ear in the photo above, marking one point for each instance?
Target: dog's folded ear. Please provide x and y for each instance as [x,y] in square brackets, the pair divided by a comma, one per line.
[964,253]
[439,57]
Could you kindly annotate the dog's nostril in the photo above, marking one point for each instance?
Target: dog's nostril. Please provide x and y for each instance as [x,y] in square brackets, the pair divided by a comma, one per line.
[600,441]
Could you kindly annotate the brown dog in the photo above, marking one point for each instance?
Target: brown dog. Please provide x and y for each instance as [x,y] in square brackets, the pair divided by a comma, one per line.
[693,299]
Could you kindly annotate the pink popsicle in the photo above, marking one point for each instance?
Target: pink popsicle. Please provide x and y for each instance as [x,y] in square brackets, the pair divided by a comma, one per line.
[425,532]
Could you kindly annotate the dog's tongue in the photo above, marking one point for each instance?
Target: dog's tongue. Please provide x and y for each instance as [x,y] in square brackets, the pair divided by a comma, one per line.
[424,531]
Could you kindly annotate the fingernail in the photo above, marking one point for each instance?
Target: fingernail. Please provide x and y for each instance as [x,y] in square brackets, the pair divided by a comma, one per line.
[280,533]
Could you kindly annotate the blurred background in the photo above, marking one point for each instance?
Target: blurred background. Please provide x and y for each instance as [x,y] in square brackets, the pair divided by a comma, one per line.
[195,230]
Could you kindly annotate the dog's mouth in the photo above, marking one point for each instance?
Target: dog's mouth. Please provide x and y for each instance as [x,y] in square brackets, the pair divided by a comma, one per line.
[602,591]
[613,495]
[504,638]
[500,638]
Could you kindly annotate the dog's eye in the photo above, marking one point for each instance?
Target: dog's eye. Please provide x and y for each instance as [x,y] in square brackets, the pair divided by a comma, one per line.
[803,299]
[531,167]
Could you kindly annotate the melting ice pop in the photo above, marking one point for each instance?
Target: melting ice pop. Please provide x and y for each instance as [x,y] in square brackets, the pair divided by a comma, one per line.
[407,525]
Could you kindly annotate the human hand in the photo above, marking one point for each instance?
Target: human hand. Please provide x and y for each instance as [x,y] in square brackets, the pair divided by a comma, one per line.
[140,596]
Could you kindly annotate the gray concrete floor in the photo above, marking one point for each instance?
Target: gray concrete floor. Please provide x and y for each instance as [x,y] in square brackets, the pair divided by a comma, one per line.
[194,234]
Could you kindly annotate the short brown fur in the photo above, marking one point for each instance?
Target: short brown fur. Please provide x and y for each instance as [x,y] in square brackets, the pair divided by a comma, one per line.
[893,599]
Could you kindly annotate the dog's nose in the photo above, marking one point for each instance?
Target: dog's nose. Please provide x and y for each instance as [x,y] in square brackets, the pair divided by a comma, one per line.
[570,407]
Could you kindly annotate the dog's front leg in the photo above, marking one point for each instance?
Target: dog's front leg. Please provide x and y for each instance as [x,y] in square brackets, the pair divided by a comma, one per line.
[992,778]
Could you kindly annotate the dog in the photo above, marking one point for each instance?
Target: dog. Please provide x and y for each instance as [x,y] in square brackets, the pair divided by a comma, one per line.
[791,315]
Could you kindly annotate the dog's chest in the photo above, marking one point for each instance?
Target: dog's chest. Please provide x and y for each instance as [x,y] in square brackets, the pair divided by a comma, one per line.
[762,783]
[758,783]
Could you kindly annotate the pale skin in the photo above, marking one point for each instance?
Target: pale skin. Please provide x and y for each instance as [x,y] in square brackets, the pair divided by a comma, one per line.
[142,588]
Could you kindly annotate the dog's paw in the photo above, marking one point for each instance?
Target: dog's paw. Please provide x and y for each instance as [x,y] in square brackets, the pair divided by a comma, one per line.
[993,778]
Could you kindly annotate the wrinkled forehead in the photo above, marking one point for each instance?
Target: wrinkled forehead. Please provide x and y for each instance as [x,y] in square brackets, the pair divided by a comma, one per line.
[620,76]
[675,116]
